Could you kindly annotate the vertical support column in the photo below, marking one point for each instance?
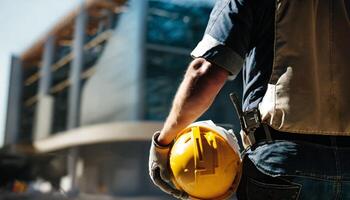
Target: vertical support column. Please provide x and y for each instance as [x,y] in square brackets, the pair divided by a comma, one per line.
[44,109]
[76,68]
[45,72]
[75,92]
[143,9]
[14,102]
[111,21]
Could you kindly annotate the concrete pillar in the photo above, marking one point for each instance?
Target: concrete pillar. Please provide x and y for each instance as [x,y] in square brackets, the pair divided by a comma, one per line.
[73,157]
[76,68]
[111,21]
[143,9]
[14,102]
[44,109]
[45,72]
[75,92]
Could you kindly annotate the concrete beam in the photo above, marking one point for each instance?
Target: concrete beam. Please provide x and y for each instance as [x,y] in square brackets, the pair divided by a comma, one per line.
[14,102]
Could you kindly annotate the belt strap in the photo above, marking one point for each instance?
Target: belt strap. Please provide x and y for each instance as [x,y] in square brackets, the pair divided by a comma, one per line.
[250,120]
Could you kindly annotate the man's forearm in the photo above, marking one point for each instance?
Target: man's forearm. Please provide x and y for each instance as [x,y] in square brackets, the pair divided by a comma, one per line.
[201,84]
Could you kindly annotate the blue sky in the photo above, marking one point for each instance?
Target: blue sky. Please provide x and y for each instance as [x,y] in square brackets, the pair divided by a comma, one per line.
[22,23]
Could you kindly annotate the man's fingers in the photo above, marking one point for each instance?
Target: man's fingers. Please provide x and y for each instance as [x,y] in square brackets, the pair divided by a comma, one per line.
[158,171]
[165,175]
[165,186]
[162,184]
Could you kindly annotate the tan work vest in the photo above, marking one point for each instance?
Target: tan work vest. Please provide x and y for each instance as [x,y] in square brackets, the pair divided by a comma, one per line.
[309,89]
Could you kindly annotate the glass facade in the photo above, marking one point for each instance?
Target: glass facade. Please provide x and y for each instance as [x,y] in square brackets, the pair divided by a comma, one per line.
[172,31]
[29,102]
[59,90]
[179,25]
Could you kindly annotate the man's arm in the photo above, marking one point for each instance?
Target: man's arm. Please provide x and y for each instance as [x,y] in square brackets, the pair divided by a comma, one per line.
[202,82]
[226,41]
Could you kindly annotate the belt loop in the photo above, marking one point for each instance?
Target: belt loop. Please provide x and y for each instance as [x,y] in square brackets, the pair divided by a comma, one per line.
[267,132]
[333,141]
[251,137]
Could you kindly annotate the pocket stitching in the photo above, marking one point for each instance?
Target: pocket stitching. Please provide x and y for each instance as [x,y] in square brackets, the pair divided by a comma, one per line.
[276,186]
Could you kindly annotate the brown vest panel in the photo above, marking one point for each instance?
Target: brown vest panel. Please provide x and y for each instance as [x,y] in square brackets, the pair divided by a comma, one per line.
[309,89]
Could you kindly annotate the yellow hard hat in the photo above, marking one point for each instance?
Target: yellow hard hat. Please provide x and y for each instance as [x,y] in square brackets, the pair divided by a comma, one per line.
[205,161]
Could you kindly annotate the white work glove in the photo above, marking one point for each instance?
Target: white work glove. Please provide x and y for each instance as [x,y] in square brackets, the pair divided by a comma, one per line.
[158,167]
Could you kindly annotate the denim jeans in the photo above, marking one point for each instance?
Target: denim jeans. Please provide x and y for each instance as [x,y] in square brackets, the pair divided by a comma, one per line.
[296,170]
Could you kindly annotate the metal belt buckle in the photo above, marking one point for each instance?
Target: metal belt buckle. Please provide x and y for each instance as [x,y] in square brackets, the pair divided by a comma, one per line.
[251,119]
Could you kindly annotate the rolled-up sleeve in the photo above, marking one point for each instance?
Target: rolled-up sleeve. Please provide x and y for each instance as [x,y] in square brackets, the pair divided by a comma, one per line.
[227,37]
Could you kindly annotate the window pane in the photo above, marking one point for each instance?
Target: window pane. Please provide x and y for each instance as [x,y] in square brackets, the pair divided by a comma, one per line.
[164,73]
[176,25]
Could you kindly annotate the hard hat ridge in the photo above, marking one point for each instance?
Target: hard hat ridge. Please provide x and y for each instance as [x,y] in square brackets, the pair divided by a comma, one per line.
[205,161]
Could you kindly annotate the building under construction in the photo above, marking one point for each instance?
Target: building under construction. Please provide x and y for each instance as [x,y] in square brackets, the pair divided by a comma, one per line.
[85,99]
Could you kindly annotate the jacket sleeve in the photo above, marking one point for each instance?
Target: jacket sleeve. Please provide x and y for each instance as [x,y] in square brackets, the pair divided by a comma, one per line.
[227,37]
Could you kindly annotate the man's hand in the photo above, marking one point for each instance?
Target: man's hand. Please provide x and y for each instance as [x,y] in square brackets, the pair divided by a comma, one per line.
[159,170]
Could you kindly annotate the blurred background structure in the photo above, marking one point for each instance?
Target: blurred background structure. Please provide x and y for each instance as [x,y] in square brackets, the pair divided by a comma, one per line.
[85,99]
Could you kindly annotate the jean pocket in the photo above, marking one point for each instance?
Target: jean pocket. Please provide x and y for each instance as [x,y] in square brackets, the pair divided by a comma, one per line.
[257,190]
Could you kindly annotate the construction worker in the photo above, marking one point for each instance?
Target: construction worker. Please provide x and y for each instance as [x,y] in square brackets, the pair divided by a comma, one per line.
[295,59]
